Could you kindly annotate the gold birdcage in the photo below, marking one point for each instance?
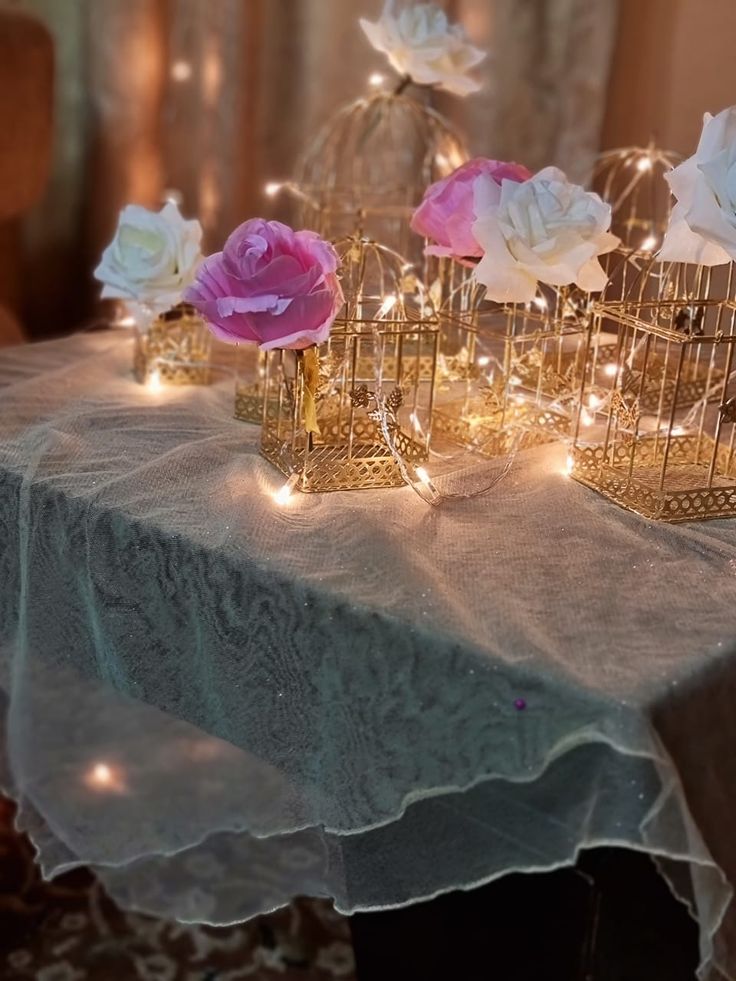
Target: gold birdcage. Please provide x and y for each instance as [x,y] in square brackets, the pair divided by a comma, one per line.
[631,180]
[655,427]
[528,362]
[366,394]
[368,167]
[173,347]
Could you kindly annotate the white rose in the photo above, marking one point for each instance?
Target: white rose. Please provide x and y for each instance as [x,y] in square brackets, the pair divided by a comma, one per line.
[702,225]
[421,43]
[152,257]
[545,229]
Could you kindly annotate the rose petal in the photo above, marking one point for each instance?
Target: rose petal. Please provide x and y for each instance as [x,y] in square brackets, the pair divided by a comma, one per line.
[231,330]
[227,306]
[304,315]
[505,283]
[591,277]
[682,244]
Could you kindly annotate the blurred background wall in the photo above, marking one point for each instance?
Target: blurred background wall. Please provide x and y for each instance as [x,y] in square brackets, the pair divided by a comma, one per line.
[673,60]
[213,98]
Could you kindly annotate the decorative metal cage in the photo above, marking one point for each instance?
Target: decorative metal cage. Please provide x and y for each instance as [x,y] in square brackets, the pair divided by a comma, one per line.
[173,346]
[528,362]
[631,180]
[655,426]
[367,169]
[371,386]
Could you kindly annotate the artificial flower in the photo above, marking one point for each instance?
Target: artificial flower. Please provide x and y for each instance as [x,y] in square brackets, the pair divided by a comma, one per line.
[447,211]
[270,285]
[153,256]
[546,230]
[702,225]
[419,42]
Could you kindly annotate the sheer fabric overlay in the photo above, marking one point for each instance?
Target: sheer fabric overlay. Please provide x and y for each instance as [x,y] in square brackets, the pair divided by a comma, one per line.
[220,703]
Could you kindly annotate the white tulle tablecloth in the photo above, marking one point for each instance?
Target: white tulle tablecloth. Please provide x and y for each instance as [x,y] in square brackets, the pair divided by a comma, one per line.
[220,703]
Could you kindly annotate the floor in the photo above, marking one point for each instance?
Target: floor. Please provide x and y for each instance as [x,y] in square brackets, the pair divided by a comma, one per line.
[69,930]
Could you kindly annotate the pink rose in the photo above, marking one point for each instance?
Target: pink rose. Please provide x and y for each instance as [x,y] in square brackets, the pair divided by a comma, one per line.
[270,285]
[446,214]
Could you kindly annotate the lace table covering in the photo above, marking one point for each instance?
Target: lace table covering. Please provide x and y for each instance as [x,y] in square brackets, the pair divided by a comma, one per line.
[220,703]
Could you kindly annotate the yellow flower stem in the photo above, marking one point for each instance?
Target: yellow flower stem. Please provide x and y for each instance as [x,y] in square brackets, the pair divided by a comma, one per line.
[310,370]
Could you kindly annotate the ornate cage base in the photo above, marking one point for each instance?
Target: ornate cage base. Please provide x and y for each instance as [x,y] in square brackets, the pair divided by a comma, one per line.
[630,475]
[177,345]
[334,462]
[470,423]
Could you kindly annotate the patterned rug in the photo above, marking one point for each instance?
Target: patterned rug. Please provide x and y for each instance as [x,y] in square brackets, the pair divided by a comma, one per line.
[69,930]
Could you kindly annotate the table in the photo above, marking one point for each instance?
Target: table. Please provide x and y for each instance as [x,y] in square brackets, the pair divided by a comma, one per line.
[220,703]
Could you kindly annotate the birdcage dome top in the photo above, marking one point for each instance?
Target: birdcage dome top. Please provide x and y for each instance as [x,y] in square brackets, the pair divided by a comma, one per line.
[379,152]
[631,180]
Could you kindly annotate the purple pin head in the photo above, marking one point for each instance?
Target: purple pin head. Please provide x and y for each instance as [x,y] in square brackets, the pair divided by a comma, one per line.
[520,704]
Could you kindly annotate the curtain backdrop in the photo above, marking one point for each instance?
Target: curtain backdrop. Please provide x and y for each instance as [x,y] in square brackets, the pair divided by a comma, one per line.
[215,97]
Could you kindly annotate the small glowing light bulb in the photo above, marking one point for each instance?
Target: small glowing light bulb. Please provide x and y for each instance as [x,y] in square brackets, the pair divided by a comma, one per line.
[376,79]
[181,71]
[610,370]
[282,495]
[126,321]
[173,196]
[540,303]
[456,157]
[102,776]
[593,402]
[644,163]
[428,491]
[389,302]
[649,243]
[272,189]
[154,381]
[569,464]
[586,418]
[484,360]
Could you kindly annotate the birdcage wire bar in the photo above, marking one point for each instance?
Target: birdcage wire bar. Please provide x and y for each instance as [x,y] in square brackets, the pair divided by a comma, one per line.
[458,299]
